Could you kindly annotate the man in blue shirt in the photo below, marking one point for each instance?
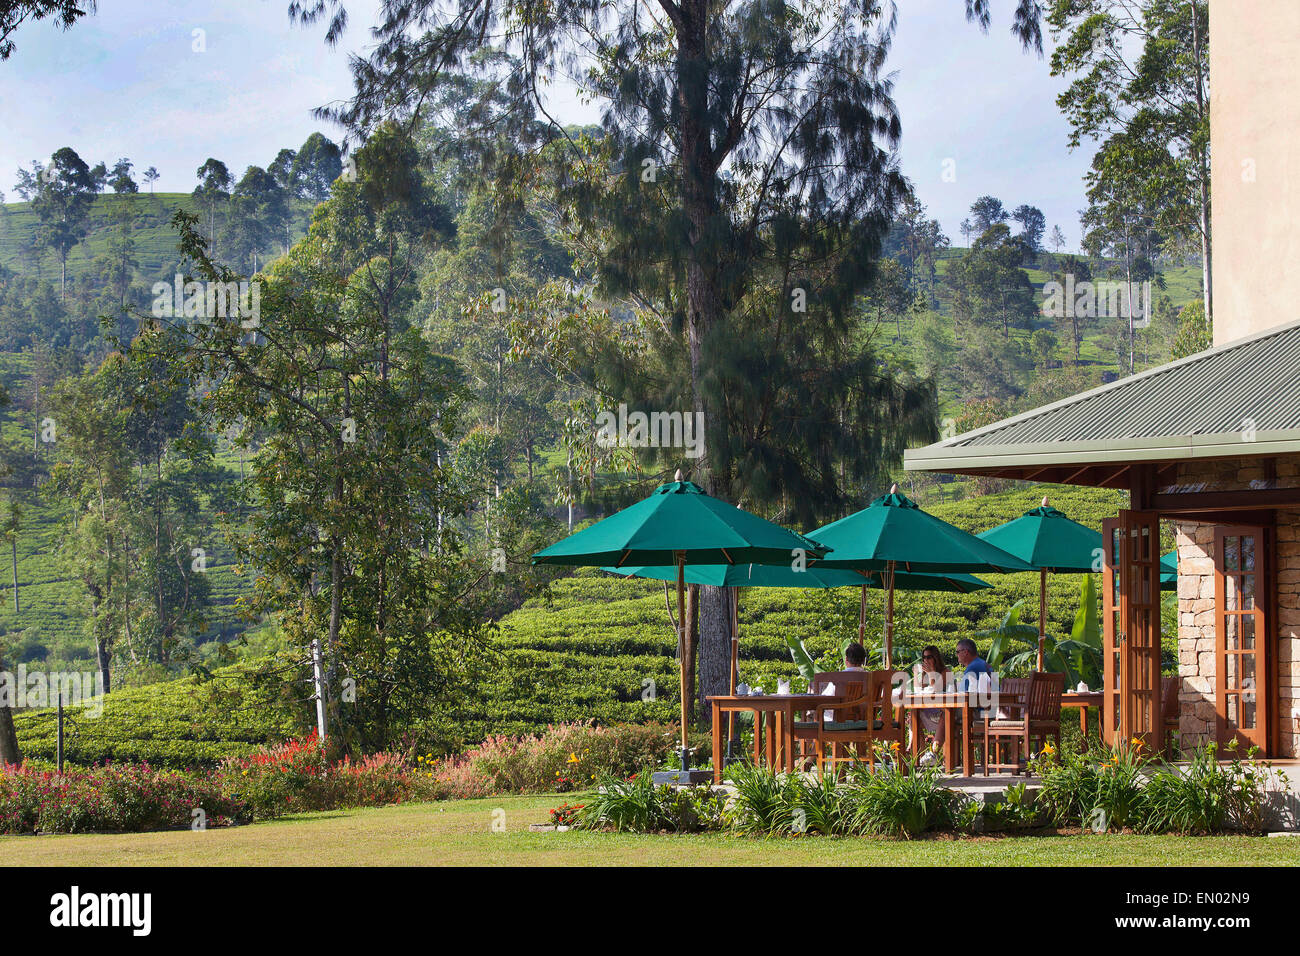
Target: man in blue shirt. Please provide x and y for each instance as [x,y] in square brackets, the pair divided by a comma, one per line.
[985,689]
[968,657]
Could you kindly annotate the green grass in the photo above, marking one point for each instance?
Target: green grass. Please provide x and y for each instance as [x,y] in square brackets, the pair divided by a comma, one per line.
[461,833]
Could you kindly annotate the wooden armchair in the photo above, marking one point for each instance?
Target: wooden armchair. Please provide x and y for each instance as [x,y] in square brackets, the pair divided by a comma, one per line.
[868,717]
[1036,715]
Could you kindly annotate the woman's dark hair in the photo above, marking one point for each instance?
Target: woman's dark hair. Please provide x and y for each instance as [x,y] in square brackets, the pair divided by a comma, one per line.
[939,664]
[855,655]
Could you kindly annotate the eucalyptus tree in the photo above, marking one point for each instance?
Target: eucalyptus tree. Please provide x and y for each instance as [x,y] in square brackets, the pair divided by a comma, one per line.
[64,194]
[743,182]
[1139,75]
[14,13]
[354,412]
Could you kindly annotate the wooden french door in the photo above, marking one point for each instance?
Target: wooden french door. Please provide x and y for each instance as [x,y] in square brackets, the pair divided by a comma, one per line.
[1241,591]
[1131,628]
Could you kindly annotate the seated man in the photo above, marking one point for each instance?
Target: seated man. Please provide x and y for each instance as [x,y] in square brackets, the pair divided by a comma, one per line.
[974,665]
[978,679]
[855,655]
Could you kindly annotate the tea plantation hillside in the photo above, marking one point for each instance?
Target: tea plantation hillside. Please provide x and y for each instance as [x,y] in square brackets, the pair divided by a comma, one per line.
[50,625]
[594,649]
[177,724]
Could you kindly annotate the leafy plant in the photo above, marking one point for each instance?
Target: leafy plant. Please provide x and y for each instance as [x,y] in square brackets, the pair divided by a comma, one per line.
[902,799]
[1077,657]
[637,805]
[764,802]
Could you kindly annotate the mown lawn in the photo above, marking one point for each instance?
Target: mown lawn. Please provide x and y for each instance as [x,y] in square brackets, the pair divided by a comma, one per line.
[461,833]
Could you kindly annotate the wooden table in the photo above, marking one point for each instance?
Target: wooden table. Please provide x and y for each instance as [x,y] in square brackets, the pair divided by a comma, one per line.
[1084,700]
[777,710]
[955,705]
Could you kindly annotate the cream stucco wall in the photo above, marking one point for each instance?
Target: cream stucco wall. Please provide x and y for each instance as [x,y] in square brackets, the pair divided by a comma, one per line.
[1255,166]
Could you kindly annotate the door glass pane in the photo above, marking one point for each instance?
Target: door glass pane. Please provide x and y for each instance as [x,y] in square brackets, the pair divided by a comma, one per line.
[1231,554]
[1247,584]
[1234,710]
[1230,631]
[1247,670]
[1230,670]
[1247,721]
[1247,627]
[1231,598]
[1247,553]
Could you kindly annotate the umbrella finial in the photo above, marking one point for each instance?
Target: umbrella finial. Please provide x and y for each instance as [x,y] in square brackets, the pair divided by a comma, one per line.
[1044,501]
[893,489]
[678,476]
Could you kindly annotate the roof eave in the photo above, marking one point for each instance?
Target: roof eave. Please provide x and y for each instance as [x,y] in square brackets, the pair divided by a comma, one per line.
[946,457]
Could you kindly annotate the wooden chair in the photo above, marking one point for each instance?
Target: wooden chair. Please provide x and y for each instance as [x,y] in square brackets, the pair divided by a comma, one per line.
[869,717]
[1169,707]
[1036,715]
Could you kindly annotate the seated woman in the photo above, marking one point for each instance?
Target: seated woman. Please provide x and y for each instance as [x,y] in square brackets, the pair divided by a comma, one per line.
[933,673]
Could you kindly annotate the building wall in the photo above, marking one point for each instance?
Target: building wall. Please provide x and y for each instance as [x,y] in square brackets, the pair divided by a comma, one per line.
[1255,174]
[1196,637]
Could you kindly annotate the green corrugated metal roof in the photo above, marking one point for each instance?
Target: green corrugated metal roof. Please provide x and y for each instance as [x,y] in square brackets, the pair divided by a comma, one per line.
[1242,397]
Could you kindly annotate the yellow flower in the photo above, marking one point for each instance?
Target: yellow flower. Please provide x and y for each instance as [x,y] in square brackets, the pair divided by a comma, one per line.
[573,758]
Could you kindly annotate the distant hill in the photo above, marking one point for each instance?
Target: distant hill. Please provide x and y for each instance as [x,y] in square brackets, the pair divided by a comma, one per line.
[155,239]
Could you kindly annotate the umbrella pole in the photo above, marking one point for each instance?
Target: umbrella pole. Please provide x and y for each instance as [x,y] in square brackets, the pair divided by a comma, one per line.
[1042,615]
[889,616]
[681,649]
[735,664]
[862,614]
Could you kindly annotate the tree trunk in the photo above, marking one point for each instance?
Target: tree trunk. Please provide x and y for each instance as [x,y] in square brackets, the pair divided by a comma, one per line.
[9,752]
[103,659]
[1203,187]
[705,308]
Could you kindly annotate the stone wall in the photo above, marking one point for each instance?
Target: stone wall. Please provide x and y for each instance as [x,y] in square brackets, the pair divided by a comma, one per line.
[1196,635]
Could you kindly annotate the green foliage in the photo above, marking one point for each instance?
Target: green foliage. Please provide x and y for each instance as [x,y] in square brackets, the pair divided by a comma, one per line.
[902,799]
[639,806]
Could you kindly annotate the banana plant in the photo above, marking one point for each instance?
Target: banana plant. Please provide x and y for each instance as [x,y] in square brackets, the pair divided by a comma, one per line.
[1009,632]
[1083,648]
[1077,657]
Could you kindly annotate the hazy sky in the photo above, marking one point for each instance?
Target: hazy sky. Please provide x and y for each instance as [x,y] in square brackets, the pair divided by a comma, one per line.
[129,82]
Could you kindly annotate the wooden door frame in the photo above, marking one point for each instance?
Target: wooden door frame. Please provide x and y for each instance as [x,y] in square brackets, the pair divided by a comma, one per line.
[1265,735]
[1129,710]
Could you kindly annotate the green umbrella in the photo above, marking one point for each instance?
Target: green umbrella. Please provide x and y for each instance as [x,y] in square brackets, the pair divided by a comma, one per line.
[1169,571]
[680,525]
[1049,541]
[784,576]
[893,534]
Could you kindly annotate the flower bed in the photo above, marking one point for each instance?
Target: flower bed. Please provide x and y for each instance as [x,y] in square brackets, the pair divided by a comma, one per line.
[1114,790]
[117,798]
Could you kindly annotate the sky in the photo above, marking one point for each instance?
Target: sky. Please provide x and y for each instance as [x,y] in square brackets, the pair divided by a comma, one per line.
[170,84]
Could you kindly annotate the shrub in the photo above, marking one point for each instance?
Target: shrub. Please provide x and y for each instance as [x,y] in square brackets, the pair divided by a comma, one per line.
[566,757]
[902,800]
[764,802]
[1016,810]
[118,799]
[636,805]
[297,776]
[1206,797]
